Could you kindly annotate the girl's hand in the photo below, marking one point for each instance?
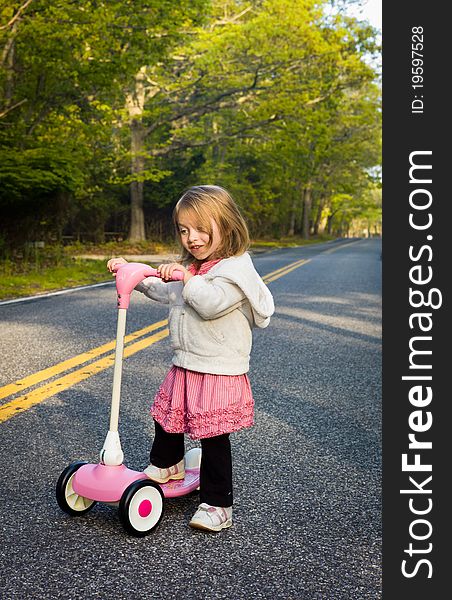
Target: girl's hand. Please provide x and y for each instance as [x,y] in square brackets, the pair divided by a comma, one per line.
[166,270]
[114,262]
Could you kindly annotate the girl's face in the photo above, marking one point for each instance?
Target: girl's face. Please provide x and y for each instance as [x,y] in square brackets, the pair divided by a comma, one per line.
[196,241]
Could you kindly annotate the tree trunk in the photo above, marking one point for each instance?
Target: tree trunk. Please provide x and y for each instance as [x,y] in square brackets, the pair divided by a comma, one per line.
[136,230]
[319,215]
[216,154]
[329,224]
[135,106]
[7,61]
[292,217]
[307,201]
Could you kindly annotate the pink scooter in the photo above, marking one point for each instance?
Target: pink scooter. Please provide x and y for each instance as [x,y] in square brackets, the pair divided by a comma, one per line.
[81,485]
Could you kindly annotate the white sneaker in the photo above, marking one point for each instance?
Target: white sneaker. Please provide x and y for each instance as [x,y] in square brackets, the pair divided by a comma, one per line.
[163,475]
[212,518]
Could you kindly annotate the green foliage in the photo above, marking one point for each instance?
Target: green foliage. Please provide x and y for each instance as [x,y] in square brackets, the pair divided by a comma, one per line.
[37,171]
[274,99]
[283,100]
[65,70]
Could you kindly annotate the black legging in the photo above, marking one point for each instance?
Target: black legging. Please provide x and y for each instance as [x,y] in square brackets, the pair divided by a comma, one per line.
[216,463]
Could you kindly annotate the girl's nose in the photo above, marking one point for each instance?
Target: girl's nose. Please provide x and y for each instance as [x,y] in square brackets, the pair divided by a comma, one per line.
[193,235]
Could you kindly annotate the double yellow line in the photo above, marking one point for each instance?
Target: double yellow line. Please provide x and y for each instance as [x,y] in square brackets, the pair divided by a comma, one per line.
[284,270]
[25,401]
[36,396]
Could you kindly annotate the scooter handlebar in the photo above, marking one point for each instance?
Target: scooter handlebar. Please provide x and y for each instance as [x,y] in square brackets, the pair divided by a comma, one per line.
[129,275]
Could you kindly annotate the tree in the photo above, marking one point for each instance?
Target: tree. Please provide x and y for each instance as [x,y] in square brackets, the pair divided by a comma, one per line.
[271,98]
[280,85]
[76,63]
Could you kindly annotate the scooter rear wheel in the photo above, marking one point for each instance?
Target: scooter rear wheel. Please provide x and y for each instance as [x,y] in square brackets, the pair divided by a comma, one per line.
[68,500]
[141,507]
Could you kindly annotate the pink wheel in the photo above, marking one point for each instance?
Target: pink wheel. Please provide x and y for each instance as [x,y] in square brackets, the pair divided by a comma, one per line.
[141,507]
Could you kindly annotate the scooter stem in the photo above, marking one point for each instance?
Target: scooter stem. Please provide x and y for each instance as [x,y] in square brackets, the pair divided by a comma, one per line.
[111,453]
[117,373]
[127,277]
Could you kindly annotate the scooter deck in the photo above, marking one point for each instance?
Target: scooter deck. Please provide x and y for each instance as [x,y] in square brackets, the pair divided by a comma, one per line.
[106,484]
[181,487]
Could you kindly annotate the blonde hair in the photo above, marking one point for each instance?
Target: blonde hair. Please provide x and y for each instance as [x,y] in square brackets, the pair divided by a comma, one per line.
[205,203]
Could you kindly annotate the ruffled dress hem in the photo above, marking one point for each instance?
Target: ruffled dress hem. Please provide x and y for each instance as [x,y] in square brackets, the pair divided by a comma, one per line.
[201,425]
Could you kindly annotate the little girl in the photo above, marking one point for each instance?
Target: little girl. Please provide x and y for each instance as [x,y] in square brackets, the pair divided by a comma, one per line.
[206,393]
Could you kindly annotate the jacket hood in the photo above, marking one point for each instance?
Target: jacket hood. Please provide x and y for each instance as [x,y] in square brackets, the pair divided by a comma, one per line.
[240,271]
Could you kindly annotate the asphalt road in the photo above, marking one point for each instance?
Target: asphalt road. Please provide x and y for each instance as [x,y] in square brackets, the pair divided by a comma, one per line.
[307,476]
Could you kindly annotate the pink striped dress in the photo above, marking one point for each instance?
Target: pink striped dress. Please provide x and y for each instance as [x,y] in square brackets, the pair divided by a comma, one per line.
[201,404]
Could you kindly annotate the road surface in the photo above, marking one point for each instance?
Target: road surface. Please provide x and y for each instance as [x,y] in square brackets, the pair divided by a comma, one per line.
[307,476]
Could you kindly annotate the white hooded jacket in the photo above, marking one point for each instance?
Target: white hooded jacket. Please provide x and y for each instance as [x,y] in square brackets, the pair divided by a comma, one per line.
[211,317]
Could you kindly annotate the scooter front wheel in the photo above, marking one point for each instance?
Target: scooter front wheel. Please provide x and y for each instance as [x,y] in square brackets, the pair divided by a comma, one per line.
[68,500]
[141,507]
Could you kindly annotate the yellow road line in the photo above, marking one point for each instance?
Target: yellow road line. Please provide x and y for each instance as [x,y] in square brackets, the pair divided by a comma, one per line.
[272,277]
[302,260]
[63,383]
[40,394]
[346,245]
[26,382]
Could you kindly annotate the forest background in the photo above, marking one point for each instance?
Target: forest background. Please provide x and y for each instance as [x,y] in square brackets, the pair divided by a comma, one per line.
[109,110]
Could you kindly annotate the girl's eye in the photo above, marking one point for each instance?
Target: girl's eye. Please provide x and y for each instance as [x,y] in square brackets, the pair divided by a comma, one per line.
[183,231]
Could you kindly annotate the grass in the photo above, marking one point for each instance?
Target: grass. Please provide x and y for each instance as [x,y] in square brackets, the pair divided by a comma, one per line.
[51,278]
[30,270]
[38,270]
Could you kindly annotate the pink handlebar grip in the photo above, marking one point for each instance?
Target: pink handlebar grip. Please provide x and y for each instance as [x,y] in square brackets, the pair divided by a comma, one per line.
[129,275]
